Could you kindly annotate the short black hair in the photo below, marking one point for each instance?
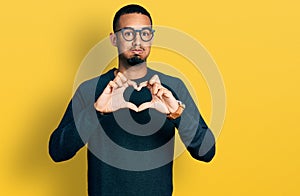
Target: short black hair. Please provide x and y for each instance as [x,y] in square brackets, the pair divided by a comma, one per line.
[129,9]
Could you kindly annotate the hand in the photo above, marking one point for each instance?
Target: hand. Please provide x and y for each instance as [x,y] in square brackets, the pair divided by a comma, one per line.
[112,98]
[162,99]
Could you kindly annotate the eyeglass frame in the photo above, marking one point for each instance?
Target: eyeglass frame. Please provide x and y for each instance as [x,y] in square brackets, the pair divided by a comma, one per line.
[136,31]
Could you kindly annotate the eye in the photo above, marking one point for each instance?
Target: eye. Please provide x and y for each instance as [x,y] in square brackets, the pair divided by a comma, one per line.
[145,33]
[128,33]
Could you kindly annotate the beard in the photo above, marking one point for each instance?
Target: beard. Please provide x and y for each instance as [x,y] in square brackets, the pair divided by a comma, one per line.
[135,60]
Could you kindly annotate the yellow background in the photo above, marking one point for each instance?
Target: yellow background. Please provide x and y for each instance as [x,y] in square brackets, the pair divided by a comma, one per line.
[256,45]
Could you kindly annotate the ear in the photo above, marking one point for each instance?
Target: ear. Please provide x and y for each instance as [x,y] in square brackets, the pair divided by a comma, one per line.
[113,39]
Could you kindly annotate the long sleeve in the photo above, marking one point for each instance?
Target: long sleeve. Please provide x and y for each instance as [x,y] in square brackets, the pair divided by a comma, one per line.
[193,131]
[65,140]
[77,124]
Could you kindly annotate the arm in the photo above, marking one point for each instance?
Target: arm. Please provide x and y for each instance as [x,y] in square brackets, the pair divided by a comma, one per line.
[81,118]
[65,141]
[193,131]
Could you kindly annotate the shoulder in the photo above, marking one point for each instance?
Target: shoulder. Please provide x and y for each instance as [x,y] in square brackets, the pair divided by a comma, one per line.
[103,78]
[165,78]
[174,84]
[92,84]
[168,80]
[89,89]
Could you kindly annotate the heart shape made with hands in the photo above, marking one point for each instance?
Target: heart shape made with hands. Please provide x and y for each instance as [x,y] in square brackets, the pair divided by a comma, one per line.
[112,97]
[138,94]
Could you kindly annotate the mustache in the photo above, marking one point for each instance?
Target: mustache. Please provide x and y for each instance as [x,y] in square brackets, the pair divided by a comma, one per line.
[137,48]
[132,49]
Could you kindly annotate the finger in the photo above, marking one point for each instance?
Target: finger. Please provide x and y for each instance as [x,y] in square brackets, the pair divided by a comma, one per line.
[107,89]
[118,81]
[110,86]
[154,79]
[160,92]
[155,88]
[122,77]
[145,106]
[142,85]
[168,94]
[131,106]
[132,83]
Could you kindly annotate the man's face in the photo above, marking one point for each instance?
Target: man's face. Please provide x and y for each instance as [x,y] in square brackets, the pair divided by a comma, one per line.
[137,50]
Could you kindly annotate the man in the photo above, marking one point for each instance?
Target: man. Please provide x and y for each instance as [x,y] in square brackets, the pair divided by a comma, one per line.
[131,142]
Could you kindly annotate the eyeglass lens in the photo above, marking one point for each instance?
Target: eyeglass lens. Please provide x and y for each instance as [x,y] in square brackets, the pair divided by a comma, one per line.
[130,34]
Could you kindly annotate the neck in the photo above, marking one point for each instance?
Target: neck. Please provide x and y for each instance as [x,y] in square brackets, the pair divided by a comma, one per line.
[133,72]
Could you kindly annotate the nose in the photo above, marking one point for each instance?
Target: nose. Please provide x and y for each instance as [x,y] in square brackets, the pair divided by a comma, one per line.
[137,39]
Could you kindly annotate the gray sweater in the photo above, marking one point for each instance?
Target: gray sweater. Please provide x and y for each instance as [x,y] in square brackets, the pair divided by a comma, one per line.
[130,153]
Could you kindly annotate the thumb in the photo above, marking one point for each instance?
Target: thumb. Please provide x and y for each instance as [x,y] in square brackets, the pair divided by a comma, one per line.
[145,106]
[131,106]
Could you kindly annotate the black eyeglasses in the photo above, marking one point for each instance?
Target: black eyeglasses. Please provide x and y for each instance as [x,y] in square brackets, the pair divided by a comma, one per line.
[129,33]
